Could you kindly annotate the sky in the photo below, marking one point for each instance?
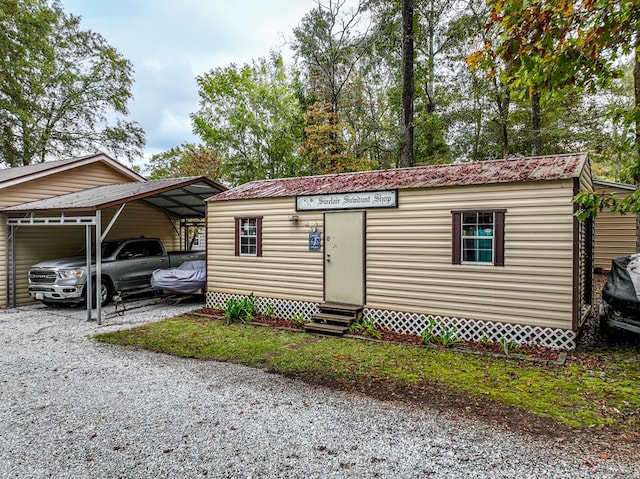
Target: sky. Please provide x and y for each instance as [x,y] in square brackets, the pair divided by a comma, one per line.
[170,42]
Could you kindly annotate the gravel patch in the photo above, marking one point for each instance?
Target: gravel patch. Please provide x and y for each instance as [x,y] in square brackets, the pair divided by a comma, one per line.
[74,408]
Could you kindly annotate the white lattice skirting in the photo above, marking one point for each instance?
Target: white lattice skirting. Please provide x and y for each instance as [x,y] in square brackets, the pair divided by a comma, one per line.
[415,323]
[282,308]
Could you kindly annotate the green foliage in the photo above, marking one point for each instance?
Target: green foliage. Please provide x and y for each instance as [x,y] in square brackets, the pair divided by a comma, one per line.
[240,309]
[559,43]
[439,332]
[366,327]
[185,160]
[508,346]
[427,333]
[591,203]
[448,337]
[339,109]
[64,90]
[298,319]
[253,115]
[484,339]
[269,311]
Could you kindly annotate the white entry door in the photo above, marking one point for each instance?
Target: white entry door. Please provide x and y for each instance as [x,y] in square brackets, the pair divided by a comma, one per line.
[344,249]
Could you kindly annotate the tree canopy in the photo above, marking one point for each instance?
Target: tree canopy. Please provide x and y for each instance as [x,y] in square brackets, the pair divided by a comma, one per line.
[251,115]
[493,79]
[63,90]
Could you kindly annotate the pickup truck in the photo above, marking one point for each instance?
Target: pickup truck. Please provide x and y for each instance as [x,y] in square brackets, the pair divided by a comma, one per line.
[126,266]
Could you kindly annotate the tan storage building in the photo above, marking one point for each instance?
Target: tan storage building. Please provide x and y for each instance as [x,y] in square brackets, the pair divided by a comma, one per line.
[492,248]
[46,209]
[615,235]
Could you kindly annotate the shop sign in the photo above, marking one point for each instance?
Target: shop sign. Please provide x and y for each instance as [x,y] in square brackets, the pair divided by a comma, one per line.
[345,201]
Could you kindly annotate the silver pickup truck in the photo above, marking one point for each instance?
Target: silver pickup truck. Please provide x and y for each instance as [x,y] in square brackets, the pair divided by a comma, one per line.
[126,266]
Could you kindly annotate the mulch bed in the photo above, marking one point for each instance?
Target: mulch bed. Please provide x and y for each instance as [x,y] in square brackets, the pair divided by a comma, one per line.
[591,338]
[537,353]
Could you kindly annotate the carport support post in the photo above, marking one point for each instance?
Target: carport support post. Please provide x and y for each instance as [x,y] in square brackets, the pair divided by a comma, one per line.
[99,265]
[88,286]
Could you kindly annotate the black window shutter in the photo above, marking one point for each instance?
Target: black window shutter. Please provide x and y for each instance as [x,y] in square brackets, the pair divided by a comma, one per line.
[259,236]
[456,238]
[237,236]
[499,238]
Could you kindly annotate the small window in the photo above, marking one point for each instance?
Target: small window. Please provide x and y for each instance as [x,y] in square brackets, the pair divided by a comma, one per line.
[248,237]
[478,237]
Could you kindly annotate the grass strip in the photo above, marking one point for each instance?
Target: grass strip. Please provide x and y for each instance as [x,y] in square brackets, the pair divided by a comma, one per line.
[577,394]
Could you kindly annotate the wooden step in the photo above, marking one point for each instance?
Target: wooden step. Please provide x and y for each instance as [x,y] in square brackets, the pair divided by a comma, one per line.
[341,308]
[324,328]
[341,319]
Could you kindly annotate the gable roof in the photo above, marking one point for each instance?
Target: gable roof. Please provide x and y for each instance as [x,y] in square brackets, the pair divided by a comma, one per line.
[178,197]
[21,174]
[556,167]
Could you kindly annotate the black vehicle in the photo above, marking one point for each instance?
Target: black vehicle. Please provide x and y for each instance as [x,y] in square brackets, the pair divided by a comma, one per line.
[621,295]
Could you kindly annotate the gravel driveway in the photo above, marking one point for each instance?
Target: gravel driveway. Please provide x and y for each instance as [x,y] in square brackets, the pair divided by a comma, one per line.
[73,408]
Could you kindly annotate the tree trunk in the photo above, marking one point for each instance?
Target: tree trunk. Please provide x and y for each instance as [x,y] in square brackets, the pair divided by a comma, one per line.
[406,158]
[536,121]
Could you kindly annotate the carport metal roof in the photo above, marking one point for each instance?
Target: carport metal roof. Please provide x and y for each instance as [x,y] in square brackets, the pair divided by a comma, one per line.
[178,197]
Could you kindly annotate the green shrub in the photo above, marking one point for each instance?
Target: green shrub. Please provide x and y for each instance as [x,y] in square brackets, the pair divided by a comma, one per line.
[508,346]
[448,336]
[427,333]
[240,309]
[298,319]
[366,327]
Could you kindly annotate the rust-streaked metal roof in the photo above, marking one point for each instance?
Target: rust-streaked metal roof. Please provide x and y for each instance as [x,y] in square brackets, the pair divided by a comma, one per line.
[21,174]
[482,172]
[179,197]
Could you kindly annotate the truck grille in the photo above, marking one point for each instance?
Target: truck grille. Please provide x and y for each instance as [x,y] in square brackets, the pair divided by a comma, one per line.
[39,276]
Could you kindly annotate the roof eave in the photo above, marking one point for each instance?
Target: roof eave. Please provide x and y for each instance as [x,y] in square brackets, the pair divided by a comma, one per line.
[84,160]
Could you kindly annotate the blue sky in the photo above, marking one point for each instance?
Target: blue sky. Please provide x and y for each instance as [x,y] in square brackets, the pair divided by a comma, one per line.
[170,42]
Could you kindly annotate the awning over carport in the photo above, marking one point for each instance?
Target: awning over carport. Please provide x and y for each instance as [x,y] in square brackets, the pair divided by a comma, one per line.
[180,198]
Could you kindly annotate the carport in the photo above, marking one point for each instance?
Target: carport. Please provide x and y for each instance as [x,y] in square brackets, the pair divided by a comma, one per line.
[177,198]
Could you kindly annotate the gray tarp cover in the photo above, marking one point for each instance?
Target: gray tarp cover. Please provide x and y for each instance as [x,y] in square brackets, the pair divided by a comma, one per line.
[623,286]
[186,278]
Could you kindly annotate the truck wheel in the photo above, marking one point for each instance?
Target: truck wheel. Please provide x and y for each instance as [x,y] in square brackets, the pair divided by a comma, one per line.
[105,292]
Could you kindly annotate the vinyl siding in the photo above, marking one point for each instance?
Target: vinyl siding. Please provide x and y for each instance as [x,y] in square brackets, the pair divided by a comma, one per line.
[81,178]
[414,272]
[615,235]
[39,243]
[408,254]
[140,220]
[287,268]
